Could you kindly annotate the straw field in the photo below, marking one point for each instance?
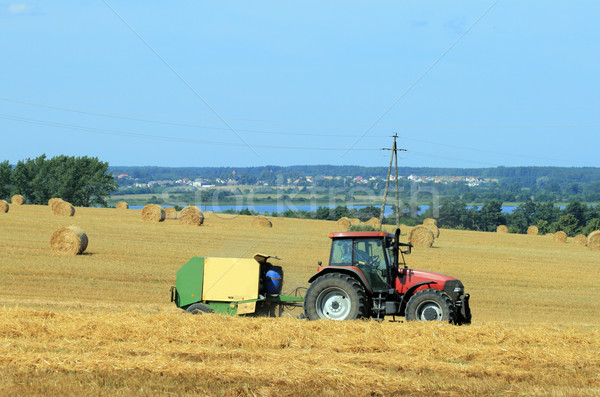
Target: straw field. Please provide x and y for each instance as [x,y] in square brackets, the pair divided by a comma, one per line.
[102,324]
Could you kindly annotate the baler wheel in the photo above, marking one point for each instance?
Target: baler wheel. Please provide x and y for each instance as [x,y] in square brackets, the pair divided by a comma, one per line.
[198,308]
[335,296]
[430,305]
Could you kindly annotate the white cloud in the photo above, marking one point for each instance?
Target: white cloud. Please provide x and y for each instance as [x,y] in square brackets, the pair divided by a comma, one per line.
[21,9]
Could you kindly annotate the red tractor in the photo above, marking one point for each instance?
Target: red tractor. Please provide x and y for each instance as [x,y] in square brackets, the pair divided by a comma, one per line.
[364,280]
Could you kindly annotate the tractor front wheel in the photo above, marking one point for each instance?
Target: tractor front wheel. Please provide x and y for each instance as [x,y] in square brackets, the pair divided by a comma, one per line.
[335,296]
[430,305]
[198,308]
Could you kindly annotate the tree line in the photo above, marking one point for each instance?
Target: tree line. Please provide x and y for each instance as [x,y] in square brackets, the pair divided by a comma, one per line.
[82,181]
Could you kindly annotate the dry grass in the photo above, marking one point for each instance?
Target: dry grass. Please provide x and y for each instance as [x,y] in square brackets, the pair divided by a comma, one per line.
[169,352]
[373,222]
[102,323]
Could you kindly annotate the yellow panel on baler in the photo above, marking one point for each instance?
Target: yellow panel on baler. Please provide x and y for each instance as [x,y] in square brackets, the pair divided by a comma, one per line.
[230,279]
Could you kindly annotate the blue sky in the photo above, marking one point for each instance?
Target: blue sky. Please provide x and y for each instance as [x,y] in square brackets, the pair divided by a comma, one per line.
[464,84]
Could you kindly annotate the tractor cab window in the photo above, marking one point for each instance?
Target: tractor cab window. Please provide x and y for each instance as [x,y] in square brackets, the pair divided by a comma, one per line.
[370,257]
[341,252]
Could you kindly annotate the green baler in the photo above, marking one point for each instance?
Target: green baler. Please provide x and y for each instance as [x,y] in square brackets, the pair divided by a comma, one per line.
[234,286]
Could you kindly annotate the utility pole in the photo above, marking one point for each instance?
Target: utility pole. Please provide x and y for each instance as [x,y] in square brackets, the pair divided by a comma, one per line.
[394,156]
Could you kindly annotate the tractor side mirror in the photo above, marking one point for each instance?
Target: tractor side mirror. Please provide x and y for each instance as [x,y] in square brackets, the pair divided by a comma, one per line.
[319,263]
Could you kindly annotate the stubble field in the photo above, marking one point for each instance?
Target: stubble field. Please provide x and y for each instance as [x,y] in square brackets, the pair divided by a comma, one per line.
[102,323]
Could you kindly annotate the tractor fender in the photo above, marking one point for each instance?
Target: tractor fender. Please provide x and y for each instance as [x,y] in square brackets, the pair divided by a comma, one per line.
[410,292]
[351,271]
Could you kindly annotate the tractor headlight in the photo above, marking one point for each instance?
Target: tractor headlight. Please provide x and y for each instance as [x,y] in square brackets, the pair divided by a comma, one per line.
[459,290]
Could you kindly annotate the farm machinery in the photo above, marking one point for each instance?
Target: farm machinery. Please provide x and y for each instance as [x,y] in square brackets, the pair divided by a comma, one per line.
[363,279]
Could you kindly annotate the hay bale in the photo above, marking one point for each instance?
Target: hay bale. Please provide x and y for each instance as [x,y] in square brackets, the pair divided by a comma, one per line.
[63,208]
[502,229]
[430,221]
[153,213]
[170,213]
[17,199]
[69,240]
[580,240]
[344,223]
[593,241]
[434,229]
[122,205]
[374,222]
[533,230]
[560,237]
[53,200]
[189,208]
[354,221]
[3,207]
[191,216]
[421,236]
[262,221]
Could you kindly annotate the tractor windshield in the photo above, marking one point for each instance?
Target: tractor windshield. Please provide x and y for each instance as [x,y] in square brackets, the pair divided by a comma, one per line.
[368,254]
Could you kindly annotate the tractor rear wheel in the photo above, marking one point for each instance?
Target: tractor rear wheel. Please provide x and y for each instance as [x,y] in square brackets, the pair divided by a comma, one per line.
[335,296]
[198,308]
[430,305]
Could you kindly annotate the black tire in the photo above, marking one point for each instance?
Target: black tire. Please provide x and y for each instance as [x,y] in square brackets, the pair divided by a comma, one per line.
[198,308]
[430,305]
[335,296]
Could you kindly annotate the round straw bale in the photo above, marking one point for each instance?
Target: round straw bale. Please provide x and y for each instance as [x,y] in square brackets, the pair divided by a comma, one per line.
[533,230]
[580,240]
[63,208]
[560,237]
[262,221]
[122,205]
[593,242]
[3,207]
[433,227]
[187,209]
[344,223]
[69,240]
[354,221]
[17,199]
[153,213]
[374,222]
[191,216]
[430,221]
[170,213]
[502,229]
[421,236]
[53,200]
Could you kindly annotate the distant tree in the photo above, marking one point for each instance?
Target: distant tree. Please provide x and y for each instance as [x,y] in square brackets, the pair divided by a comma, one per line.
[366,213]
[490,216]
[591,226]
[568,224]
[578,210]
[341,211]
[82,181]
[5,182]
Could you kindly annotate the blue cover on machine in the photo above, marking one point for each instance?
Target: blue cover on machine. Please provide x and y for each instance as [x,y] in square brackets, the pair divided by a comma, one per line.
[274,280]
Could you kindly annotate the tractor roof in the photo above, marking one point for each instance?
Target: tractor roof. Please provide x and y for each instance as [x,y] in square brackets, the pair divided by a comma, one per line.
[360,235]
